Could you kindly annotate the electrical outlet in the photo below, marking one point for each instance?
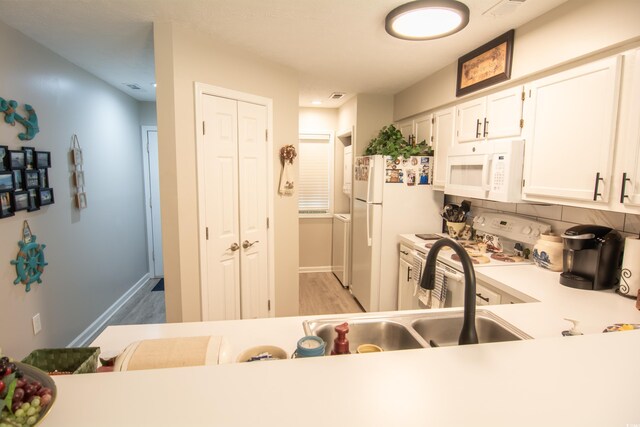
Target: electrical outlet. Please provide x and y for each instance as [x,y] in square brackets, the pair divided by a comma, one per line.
[37,326]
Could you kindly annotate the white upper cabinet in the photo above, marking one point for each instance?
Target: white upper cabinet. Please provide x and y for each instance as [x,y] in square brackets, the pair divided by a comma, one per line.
[444,126]
[347,170]
[491,117]
[406,129]
[422,127]
[570,133]
[470,119]
[626,180]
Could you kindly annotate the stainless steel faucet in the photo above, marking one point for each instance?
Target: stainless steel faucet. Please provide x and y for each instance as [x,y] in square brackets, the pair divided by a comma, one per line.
[468,334]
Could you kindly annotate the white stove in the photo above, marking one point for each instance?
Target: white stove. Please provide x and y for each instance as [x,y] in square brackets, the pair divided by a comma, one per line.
[500,240]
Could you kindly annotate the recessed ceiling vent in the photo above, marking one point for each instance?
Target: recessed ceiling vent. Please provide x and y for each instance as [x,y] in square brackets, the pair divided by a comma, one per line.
[504,7]
[336,95]
[132,86]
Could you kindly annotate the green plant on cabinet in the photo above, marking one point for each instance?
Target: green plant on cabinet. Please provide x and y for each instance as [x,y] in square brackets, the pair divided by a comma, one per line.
[390,142]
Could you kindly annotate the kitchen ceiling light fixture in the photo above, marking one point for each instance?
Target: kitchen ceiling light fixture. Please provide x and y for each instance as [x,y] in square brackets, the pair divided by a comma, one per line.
[427,19]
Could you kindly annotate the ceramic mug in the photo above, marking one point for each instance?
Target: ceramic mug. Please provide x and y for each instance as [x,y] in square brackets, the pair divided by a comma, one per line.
[455,228]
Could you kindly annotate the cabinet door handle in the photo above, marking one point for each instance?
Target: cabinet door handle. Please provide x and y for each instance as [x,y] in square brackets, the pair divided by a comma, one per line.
[624,186]
[486,128]
[479,295]
[595,191]
[404,252]
[409,273]
[478,128]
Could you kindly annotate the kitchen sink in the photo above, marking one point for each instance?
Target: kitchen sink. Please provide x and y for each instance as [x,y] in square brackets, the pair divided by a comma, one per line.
[444,330]
[409,331]
[385,333]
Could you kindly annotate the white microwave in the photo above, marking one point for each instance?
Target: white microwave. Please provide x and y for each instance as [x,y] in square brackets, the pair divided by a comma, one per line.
[490,170]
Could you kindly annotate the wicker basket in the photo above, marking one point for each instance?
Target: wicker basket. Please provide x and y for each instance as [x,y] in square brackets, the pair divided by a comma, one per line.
[58,361]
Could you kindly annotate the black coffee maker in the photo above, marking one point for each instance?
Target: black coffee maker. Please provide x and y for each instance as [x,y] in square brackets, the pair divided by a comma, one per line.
[591,257]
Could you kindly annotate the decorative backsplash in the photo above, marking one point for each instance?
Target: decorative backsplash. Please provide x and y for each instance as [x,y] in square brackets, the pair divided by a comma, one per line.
[557,216]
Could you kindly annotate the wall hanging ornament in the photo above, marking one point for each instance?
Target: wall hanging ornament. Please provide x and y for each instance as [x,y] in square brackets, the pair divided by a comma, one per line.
[287,154]
[11,117]
[30,261]
[78,173]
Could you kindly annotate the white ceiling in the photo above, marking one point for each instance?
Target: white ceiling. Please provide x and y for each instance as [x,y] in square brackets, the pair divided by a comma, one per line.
[336,45]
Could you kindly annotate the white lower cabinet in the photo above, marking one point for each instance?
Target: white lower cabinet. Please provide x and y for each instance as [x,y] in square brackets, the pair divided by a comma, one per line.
[570,133]
[406,285]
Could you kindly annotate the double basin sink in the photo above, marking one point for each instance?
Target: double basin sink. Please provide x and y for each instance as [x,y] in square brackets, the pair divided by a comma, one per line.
[410,331]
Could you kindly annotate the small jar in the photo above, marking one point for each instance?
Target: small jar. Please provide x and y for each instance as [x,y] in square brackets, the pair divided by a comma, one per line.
[547,253]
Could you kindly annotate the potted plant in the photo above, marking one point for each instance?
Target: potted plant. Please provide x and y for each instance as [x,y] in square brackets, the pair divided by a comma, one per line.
[390,142]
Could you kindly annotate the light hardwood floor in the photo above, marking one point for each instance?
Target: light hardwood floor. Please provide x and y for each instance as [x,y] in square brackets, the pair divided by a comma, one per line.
[322,293]
[144,307]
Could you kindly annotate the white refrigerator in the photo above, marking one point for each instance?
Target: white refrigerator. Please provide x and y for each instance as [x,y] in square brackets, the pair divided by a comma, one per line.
[391,197]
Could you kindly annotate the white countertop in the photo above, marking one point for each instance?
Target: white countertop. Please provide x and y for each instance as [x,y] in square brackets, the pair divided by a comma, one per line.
[589,380]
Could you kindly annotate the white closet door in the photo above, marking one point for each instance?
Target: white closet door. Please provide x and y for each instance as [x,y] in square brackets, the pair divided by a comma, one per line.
[252,149]
[221,207]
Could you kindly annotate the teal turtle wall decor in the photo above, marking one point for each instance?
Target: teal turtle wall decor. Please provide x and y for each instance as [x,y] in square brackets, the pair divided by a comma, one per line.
[11,117]
[30,261]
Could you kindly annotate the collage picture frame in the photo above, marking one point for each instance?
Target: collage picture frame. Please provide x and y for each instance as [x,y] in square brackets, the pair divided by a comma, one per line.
[24,180]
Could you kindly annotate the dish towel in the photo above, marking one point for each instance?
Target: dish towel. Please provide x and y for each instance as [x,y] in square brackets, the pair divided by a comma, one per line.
[286,180]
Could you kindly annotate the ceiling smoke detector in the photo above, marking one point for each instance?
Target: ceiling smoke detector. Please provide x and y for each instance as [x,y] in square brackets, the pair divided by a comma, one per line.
[337,95]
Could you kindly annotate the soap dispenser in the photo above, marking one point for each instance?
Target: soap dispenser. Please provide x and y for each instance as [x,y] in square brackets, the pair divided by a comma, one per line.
[341,343]
[574,329]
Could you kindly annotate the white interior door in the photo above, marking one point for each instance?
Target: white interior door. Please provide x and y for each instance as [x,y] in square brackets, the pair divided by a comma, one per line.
[236,209]
[152,190]
[252,149]
[221,207]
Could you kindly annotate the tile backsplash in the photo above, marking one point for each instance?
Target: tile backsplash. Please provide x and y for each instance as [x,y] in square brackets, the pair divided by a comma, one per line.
[558,217]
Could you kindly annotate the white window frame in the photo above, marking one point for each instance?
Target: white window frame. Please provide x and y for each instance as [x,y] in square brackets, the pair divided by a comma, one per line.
[321,135]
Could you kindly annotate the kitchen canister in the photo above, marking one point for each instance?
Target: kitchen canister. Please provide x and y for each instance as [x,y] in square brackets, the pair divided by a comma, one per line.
[630,274]
[547,252]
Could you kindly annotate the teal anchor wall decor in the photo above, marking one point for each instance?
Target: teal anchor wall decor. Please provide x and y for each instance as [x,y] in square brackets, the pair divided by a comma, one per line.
[11,117]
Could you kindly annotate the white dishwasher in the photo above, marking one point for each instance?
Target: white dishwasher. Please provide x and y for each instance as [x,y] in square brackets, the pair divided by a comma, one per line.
[341,253]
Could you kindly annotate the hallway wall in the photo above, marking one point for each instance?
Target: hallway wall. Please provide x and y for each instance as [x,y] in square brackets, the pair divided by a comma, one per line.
[94,255]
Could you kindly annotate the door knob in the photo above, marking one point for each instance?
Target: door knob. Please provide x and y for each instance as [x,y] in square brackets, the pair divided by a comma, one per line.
[247,245]
[234,247]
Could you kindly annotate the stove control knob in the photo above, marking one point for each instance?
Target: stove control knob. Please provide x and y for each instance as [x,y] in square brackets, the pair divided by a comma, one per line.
[536,232]
[480,219]
[526,230]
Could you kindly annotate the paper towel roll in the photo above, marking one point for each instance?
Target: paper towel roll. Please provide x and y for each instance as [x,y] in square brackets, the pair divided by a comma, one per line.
[630,276]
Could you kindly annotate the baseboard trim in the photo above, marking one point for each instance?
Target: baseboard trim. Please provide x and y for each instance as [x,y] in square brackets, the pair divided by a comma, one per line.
[83,339]
[315,269]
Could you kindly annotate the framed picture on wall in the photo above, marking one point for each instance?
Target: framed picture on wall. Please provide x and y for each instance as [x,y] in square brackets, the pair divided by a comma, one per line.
[20,201]
[16,159]
[43,178]
[33,200]
[6,207]
[18,183]
[43,159]
[45,196]
[31,179]
[81,200]
[76,154]
[485,66]
[4,158]
[6,181]
[29,161]
[78,177]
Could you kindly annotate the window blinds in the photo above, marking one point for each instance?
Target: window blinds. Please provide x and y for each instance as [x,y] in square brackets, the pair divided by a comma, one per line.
[314,186]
